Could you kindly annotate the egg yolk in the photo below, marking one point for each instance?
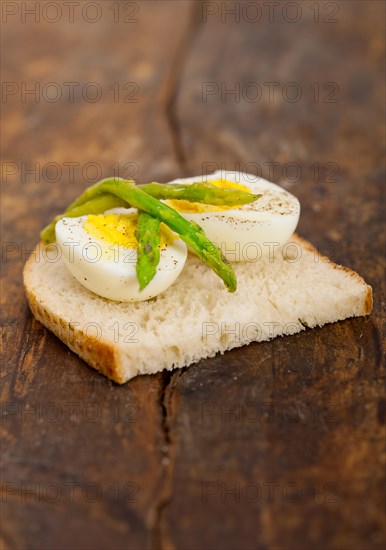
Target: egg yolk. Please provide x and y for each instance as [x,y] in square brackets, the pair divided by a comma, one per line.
[121,229]
[187,206]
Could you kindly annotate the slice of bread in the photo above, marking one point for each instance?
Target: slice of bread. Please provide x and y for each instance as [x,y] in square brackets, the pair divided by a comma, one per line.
[196,317]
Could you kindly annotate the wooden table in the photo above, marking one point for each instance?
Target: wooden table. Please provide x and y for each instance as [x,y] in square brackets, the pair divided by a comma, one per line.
[274,446]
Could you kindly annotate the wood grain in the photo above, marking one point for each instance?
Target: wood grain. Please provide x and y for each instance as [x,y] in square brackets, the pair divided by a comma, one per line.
[279,445]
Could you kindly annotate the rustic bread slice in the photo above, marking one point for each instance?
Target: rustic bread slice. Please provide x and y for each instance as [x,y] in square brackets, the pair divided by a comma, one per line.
[196,317]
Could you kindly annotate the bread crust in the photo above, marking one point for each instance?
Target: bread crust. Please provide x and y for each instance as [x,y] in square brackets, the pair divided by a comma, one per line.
[97,353]
[101,354]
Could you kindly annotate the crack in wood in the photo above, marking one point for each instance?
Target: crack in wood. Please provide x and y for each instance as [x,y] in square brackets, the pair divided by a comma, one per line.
[174,81]
[169,379]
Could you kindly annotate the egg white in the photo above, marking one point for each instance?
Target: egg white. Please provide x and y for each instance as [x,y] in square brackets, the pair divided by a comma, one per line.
[110,270]
[251,231]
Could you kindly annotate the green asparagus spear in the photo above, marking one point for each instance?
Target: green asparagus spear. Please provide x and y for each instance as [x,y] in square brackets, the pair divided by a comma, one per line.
[203,192]
[189,232]
[113,192]
[199,192]
[148,254]
[97,205]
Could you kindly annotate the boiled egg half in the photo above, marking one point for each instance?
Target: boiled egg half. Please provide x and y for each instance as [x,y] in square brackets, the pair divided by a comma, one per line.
[248,232]
[100,251]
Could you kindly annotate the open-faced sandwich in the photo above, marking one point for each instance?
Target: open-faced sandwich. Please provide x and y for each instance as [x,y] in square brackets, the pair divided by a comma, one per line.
[140,278]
